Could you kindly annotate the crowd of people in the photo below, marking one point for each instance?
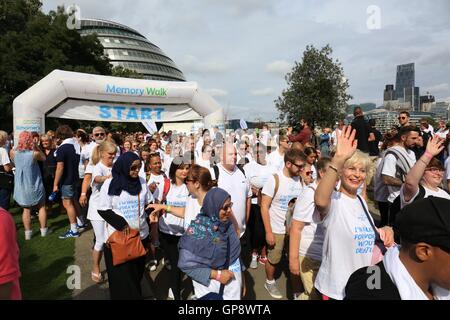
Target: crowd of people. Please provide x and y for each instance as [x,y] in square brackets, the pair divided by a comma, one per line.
[209,206]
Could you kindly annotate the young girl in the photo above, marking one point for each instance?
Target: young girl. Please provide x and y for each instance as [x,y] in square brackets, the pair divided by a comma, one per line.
[102,160]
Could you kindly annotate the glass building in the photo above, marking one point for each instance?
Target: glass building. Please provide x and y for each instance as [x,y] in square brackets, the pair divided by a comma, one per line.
[405,89]
[128,48]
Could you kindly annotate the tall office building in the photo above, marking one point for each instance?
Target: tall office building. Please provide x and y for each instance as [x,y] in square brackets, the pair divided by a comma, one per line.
[128,48]
[405,89]
[405,79]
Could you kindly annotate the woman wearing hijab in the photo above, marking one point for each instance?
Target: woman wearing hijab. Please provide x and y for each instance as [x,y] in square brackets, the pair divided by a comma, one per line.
[122,205]
[210,248]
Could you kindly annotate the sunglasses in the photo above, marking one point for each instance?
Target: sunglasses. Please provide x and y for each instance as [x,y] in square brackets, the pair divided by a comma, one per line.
[135,168]
[401,118]
[299,166]
[308,173]
[99,135]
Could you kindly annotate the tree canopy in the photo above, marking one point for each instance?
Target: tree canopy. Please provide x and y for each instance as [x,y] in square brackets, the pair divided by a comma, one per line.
[316,90]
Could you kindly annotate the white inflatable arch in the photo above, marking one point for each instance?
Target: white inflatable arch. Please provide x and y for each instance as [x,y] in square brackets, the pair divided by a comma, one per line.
[73,95]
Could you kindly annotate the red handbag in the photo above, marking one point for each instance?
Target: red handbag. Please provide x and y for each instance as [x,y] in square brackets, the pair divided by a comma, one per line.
[126,247]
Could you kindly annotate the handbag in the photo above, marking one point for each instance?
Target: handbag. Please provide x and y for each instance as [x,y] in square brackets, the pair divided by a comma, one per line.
[126,247]
[219,295]
[378,249]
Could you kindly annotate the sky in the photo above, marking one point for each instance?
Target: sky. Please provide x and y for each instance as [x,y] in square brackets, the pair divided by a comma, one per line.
[240,50]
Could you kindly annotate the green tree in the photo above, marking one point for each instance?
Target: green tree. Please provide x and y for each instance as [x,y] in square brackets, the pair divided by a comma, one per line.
[316,90]
[32,44]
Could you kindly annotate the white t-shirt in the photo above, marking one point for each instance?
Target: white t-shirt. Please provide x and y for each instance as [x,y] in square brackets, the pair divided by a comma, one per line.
[257,175]
[264,137]
[389,169]
[442,133]
[428,192]
[288,189]
[275,161]
[203,163]
[314,171]
[348,245]
[99,170]
[159,180]
[85,155]
[4,158]
[232,291]
[176,197]
[126,206]
[312,236]
[166,163]
[447,172]
[237,185]
[334,136]
[191,210]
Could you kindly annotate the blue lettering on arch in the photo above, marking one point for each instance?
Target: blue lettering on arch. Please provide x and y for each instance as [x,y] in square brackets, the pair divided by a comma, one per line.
[104,112]
[158,113]
[119,112]
[146,114]
[132,114]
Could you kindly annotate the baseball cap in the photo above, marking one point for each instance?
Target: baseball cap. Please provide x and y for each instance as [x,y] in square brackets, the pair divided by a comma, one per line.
[426,220]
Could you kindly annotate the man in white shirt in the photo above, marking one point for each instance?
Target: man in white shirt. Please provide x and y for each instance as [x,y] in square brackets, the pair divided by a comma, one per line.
[233,180]
[398,160]
[277,192]
[275,160]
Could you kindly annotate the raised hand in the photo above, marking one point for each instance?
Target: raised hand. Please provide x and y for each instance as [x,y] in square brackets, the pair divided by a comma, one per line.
[346,143]
[435,145]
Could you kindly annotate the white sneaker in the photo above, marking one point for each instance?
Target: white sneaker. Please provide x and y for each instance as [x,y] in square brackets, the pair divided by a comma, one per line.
[254,263]
[28,234]
[170,294]
[272,289]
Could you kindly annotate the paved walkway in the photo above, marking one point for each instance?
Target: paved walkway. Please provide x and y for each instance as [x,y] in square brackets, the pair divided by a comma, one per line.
[155,284]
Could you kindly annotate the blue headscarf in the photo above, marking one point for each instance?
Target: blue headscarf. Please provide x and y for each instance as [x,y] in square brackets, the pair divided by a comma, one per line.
[121,179]
[204,244]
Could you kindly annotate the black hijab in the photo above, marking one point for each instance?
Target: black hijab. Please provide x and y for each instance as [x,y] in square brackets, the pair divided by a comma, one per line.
[121,179]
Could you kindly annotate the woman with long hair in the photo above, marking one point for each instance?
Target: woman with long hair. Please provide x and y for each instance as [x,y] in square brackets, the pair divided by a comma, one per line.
[102,160]
[171,228]
[29,188]
[122,205]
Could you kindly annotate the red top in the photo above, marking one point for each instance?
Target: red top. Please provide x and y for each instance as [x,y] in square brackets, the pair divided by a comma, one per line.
[303,136]
[9,254]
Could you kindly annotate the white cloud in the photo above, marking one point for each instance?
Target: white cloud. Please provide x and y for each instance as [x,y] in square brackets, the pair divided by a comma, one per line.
[193,64]
[262,92]
[279,67]
[217,92]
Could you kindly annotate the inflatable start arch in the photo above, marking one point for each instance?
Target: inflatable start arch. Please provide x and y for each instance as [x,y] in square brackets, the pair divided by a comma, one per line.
[81,96]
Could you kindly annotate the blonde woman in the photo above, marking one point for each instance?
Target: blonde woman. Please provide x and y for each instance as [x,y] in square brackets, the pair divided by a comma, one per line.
[349,231]
[102,160]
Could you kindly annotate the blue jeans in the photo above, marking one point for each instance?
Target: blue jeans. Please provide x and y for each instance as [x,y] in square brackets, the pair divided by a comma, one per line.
[5,196]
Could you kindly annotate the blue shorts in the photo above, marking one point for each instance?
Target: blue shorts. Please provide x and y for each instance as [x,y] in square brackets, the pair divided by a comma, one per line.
[68,191]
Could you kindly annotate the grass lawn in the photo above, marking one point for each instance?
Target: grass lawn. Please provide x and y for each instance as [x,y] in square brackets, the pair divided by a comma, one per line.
[44,261]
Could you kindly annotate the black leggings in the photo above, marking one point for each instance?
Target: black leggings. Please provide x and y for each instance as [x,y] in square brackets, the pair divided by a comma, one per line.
[169,243]
[256,228]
